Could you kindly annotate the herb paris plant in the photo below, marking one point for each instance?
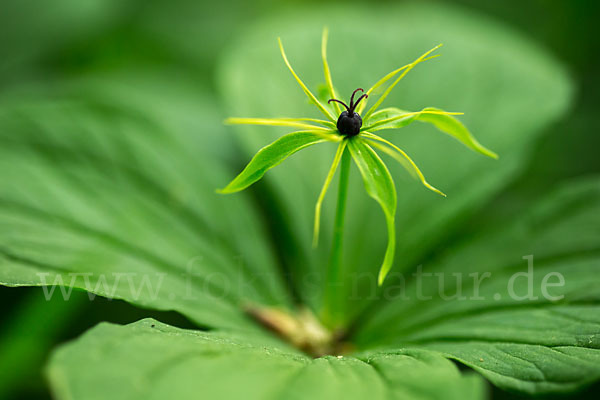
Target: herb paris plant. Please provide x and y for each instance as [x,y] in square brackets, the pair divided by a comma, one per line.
[90,199]
[356,139]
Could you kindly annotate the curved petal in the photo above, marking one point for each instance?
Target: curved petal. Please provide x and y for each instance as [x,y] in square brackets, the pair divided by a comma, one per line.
[386,78]
[389,89]
[303,86]
[402,158]
[334,165]
[327,71]
[380,186]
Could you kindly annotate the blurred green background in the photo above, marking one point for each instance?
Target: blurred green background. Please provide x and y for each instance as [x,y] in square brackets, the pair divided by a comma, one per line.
[71,39]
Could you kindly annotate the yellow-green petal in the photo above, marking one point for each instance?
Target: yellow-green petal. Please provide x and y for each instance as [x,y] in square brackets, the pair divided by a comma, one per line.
[334,165]
[383,80]
[303,86]
[389,89]
[403,158]
[327,71]
[291,122]
[401,117]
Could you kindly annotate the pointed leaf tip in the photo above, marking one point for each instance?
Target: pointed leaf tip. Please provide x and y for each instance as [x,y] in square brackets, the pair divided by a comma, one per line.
[381,278]
[225,191]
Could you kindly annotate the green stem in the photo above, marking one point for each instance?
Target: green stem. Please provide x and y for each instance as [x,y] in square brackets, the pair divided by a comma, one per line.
[334,304]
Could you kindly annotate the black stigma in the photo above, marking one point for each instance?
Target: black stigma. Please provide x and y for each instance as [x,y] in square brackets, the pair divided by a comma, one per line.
[349,122]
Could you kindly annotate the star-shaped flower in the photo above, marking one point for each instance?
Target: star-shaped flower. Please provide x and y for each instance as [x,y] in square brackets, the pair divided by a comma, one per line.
[356,139]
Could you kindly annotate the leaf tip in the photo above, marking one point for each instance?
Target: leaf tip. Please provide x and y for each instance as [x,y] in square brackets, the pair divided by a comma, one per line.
[487,152]
[381,278]
[434,189]
[324,37]
[228,189]
[281,50]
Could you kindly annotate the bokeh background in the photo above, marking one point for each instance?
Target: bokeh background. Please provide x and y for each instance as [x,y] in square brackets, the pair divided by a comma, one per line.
[47,42]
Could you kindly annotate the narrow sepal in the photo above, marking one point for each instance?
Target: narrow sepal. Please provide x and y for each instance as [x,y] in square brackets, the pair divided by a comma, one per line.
[334,165]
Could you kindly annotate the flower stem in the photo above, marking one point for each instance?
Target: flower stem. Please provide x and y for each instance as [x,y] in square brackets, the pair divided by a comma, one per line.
[333,308]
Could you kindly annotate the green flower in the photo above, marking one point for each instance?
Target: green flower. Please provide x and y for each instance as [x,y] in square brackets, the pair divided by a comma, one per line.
[359,145]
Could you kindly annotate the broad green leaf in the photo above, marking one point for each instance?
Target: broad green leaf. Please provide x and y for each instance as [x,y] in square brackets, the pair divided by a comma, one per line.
[271,156]
[380,186]
[150,360]
[111,190]
[486,70]
[525,335]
